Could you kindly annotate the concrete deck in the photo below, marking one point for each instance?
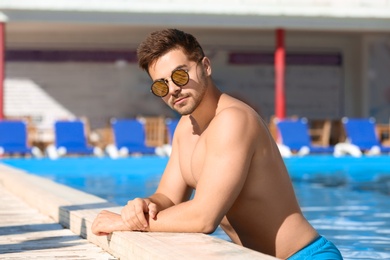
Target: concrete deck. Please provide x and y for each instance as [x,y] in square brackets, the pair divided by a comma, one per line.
[42,219]
[26,233]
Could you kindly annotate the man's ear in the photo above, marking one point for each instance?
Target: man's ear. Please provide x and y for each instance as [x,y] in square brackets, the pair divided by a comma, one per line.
[206,66]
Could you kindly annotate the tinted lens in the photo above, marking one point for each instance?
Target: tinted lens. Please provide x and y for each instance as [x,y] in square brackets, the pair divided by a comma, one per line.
[180,77]
[160,88]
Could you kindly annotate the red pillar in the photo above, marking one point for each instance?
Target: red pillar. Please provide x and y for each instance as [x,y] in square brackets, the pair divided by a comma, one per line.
[280,63]
[2,67]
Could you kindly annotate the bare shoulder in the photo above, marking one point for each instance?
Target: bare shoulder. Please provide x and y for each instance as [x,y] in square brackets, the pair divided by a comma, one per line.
[236,113]
[235,119]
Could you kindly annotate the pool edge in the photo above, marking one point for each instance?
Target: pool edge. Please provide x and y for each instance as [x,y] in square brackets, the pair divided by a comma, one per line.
[76,210]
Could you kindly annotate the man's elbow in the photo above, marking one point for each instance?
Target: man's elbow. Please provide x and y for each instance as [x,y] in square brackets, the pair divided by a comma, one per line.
[207,225]
[209,229]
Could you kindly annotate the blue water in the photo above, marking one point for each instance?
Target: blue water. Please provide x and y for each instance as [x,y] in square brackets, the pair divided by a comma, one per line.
[345,199]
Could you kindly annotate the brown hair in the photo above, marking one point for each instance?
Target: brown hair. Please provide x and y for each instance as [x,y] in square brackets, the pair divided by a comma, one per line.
[158,43]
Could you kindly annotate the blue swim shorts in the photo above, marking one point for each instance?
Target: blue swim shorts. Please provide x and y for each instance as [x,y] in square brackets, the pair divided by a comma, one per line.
[320,248]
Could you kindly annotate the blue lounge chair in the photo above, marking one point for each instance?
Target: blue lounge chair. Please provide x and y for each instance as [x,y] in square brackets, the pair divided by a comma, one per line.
[129,136]
[13,139]
[294,133]
[361,132]
[166,149]
[70,138]
[171,124]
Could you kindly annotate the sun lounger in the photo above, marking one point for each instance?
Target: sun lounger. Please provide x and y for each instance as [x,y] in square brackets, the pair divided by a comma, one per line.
[295,138]
[70,138]
[13,139]
[294,133]
[129,138]
[361,132]
[166,149]
[171,124]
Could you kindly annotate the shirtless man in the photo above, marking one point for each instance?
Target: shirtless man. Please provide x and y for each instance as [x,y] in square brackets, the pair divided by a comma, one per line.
[223,150]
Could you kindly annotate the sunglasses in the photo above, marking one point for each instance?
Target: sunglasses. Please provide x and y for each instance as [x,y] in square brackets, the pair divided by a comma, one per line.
[160,87]
[180,77]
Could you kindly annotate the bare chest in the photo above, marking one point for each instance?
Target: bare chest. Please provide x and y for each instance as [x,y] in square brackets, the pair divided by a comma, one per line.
[192,157]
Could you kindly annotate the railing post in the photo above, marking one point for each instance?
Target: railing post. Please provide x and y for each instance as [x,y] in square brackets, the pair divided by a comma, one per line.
[3,20]
[280,60]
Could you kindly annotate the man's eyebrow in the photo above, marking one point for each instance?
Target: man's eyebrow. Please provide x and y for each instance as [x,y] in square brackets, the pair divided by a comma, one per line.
[181,66]
[177,68]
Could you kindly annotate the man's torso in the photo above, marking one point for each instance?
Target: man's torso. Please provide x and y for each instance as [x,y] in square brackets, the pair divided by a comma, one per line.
[266,204]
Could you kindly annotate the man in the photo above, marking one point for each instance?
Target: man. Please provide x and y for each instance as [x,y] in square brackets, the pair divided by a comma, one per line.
[223,150]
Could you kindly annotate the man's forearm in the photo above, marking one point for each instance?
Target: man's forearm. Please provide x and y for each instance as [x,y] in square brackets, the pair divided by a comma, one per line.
[162,201]
[184,217]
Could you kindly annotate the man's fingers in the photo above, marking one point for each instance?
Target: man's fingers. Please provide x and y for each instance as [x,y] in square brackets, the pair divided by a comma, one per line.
[152,210]
[140,215]
[107,222]
[102,234]
[133,214]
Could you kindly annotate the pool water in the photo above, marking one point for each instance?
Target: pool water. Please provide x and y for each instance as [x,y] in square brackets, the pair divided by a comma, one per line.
[346,199]
[357,221]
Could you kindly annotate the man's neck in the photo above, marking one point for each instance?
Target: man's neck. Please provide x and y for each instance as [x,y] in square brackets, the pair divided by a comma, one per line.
[206,110]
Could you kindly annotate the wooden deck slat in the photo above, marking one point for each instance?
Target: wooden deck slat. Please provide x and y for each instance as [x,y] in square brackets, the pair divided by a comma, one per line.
[25,233]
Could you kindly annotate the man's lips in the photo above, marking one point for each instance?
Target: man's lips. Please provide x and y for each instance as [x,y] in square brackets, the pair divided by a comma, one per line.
[178,100]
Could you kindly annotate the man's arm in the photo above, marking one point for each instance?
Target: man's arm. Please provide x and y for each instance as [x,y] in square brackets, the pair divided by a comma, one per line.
[107,222]
[227,157]
[136,214]
[171,190]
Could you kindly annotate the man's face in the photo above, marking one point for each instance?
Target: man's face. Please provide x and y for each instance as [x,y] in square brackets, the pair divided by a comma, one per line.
[183,99]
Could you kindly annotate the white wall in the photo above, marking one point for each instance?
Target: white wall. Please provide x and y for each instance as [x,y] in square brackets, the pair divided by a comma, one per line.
[376,84]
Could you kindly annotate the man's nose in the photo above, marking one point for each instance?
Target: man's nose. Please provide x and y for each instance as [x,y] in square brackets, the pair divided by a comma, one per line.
[173,88]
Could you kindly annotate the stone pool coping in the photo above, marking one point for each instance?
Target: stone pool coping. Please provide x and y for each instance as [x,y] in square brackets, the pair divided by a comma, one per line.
[76,210]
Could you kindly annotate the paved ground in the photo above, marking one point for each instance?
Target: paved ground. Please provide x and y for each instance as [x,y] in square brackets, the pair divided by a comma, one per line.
[25,233]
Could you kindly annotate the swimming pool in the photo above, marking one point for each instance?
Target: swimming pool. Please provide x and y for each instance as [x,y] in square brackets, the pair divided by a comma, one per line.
[346,199]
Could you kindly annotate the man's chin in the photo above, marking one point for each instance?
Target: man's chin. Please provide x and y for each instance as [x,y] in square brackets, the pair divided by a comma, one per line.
[183,111]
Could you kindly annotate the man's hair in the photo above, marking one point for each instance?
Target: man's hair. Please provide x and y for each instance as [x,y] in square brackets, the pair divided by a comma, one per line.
[159,43]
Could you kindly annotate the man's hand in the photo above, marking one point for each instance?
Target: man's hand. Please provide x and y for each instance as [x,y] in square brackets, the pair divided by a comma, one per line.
[107,222]
[134,214]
